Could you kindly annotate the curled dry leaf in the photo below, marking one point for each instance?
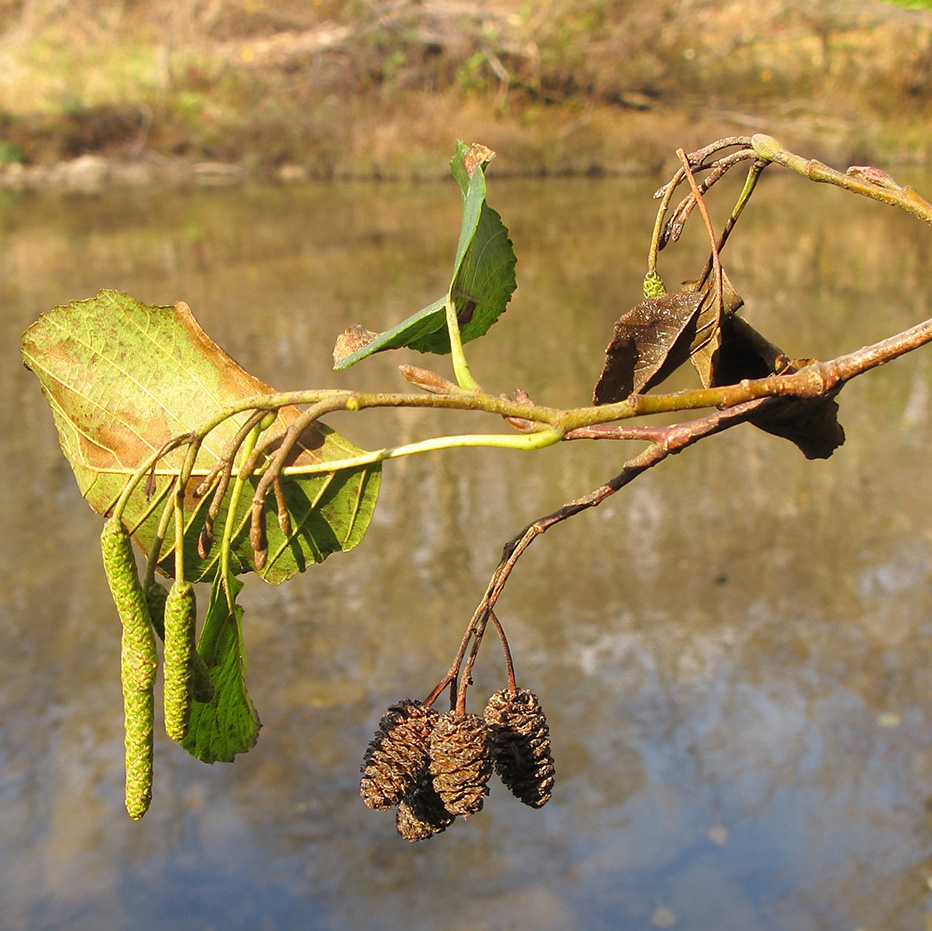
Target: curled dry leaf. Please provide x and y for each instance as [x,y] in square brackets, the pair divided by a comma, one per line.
[658,335]
[477,156]
[350,340]
[641,354]
[811,423]
[707,336]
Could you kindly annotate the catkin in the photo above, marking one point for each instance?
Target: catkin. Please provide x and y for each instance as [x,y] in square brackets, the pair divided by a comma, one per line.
[202,689]
[180,616]
[139,717]
[138,663]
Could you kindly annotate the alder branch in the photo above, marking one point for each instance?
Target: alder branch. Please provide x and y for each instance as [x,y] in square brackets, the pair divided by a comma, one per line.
[870,182]
[669,441]
[817,380]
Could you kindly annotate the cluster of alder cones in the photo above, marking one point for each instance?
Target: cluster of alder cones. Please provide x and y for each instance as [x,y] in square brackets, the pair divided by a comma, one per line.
[434,767]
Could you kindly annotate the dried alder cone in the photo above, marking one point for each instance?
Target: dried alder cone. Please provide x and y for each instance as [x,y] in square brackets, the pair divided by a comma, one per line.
[435,767]
[422,813]
[460,762]
[397,755]
[519,739]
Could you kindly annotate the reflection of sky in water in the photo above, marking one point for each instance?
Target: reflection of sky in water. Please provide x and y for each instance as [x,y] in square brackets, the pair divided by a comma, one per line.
[734,652]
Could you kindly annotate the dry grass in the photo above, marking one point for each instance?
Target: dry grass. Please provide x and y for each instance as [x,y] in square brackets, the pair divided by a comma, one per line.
[340,88]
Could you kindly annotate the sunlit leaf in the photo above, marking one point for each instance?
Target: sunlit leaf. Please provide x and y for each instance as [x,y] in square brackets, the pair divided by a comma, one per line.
[483,275]
[122,378]
[228,724]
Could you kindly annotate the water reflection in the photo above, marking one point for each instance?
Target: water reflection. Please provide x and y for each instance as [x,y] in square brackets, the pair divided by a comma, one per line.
[734,653]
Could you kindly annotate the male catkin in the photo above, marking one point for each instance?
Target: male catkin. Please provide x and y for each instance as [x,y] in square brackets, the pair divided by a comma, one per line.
[180,617]
[202,689]
[138,663]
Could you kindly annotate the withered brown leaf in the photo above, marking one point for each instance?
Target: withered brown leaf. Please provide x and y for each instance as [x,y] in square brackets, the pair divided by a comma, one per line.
[641,351]
[352,338]
[811,423]
[708,334]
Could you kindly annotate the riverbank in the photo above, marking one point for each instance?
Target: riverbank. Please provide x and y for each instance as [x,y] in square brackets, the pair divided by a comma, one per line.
[179,93]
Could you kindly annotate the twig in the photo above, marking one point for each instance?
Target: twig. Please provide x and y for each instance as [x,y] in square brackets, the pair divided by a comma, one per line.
[700,202]
[274,469]
[509,661]
[675,439]
[905,197]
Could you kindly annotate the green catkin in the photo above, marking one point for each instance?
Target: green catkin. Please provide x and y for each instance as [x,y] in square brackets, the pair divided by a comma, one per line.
[139,732]
[180,616]
[202,689]
[138,663]
[653,285]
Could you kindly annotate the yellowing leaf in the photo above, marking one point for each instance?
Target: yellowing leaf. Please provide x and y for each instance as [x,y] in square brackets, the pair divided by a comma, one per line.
[123,377]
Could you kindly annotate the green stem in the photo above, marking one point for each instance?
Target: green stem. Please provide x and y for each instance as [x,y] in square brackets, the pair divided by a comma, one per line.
[905,197]
[179,532]
[463,376]
[229,524]
[155,549]
[520,441]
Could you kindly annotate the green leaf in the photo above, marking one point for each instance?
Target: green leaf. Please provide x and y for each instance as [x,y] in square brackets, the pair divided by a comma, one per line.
[123,377]
[228,724]
[483,276]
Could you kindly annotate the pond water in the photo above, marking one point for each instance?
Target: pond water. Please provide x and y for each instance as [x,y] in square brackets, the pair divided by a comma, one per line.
[735,652]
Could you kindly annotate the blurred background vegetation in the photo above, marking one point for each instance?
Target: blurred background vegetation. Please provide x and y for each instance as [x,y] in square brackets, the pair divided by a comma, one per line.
[347,88]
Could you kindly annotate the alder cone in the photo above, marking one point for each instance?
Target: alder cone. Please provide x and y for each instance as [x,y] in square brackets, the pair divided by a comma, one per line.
[519,743]
[397,755]
[421,813]
[460,763]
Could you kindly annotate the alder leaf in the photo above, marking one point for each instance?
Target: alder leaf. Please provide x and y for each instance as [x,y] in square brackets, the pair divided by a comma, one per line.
[123,377]
[640,354]
[708,330]
[810,423]
[482,284]
[657,336]
[227,724]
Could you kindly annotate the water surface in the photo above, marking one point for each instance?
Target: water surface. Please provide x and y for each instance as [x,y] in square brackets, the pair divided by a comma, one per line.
[734,653]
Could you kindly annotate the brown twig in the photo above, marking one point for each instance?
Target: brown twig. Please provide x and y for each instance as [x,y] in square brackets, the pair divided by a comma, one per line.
[673,228]
[221,473]
[276,464]
[225,463]
[509,661]
[700,202]
[671,439]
